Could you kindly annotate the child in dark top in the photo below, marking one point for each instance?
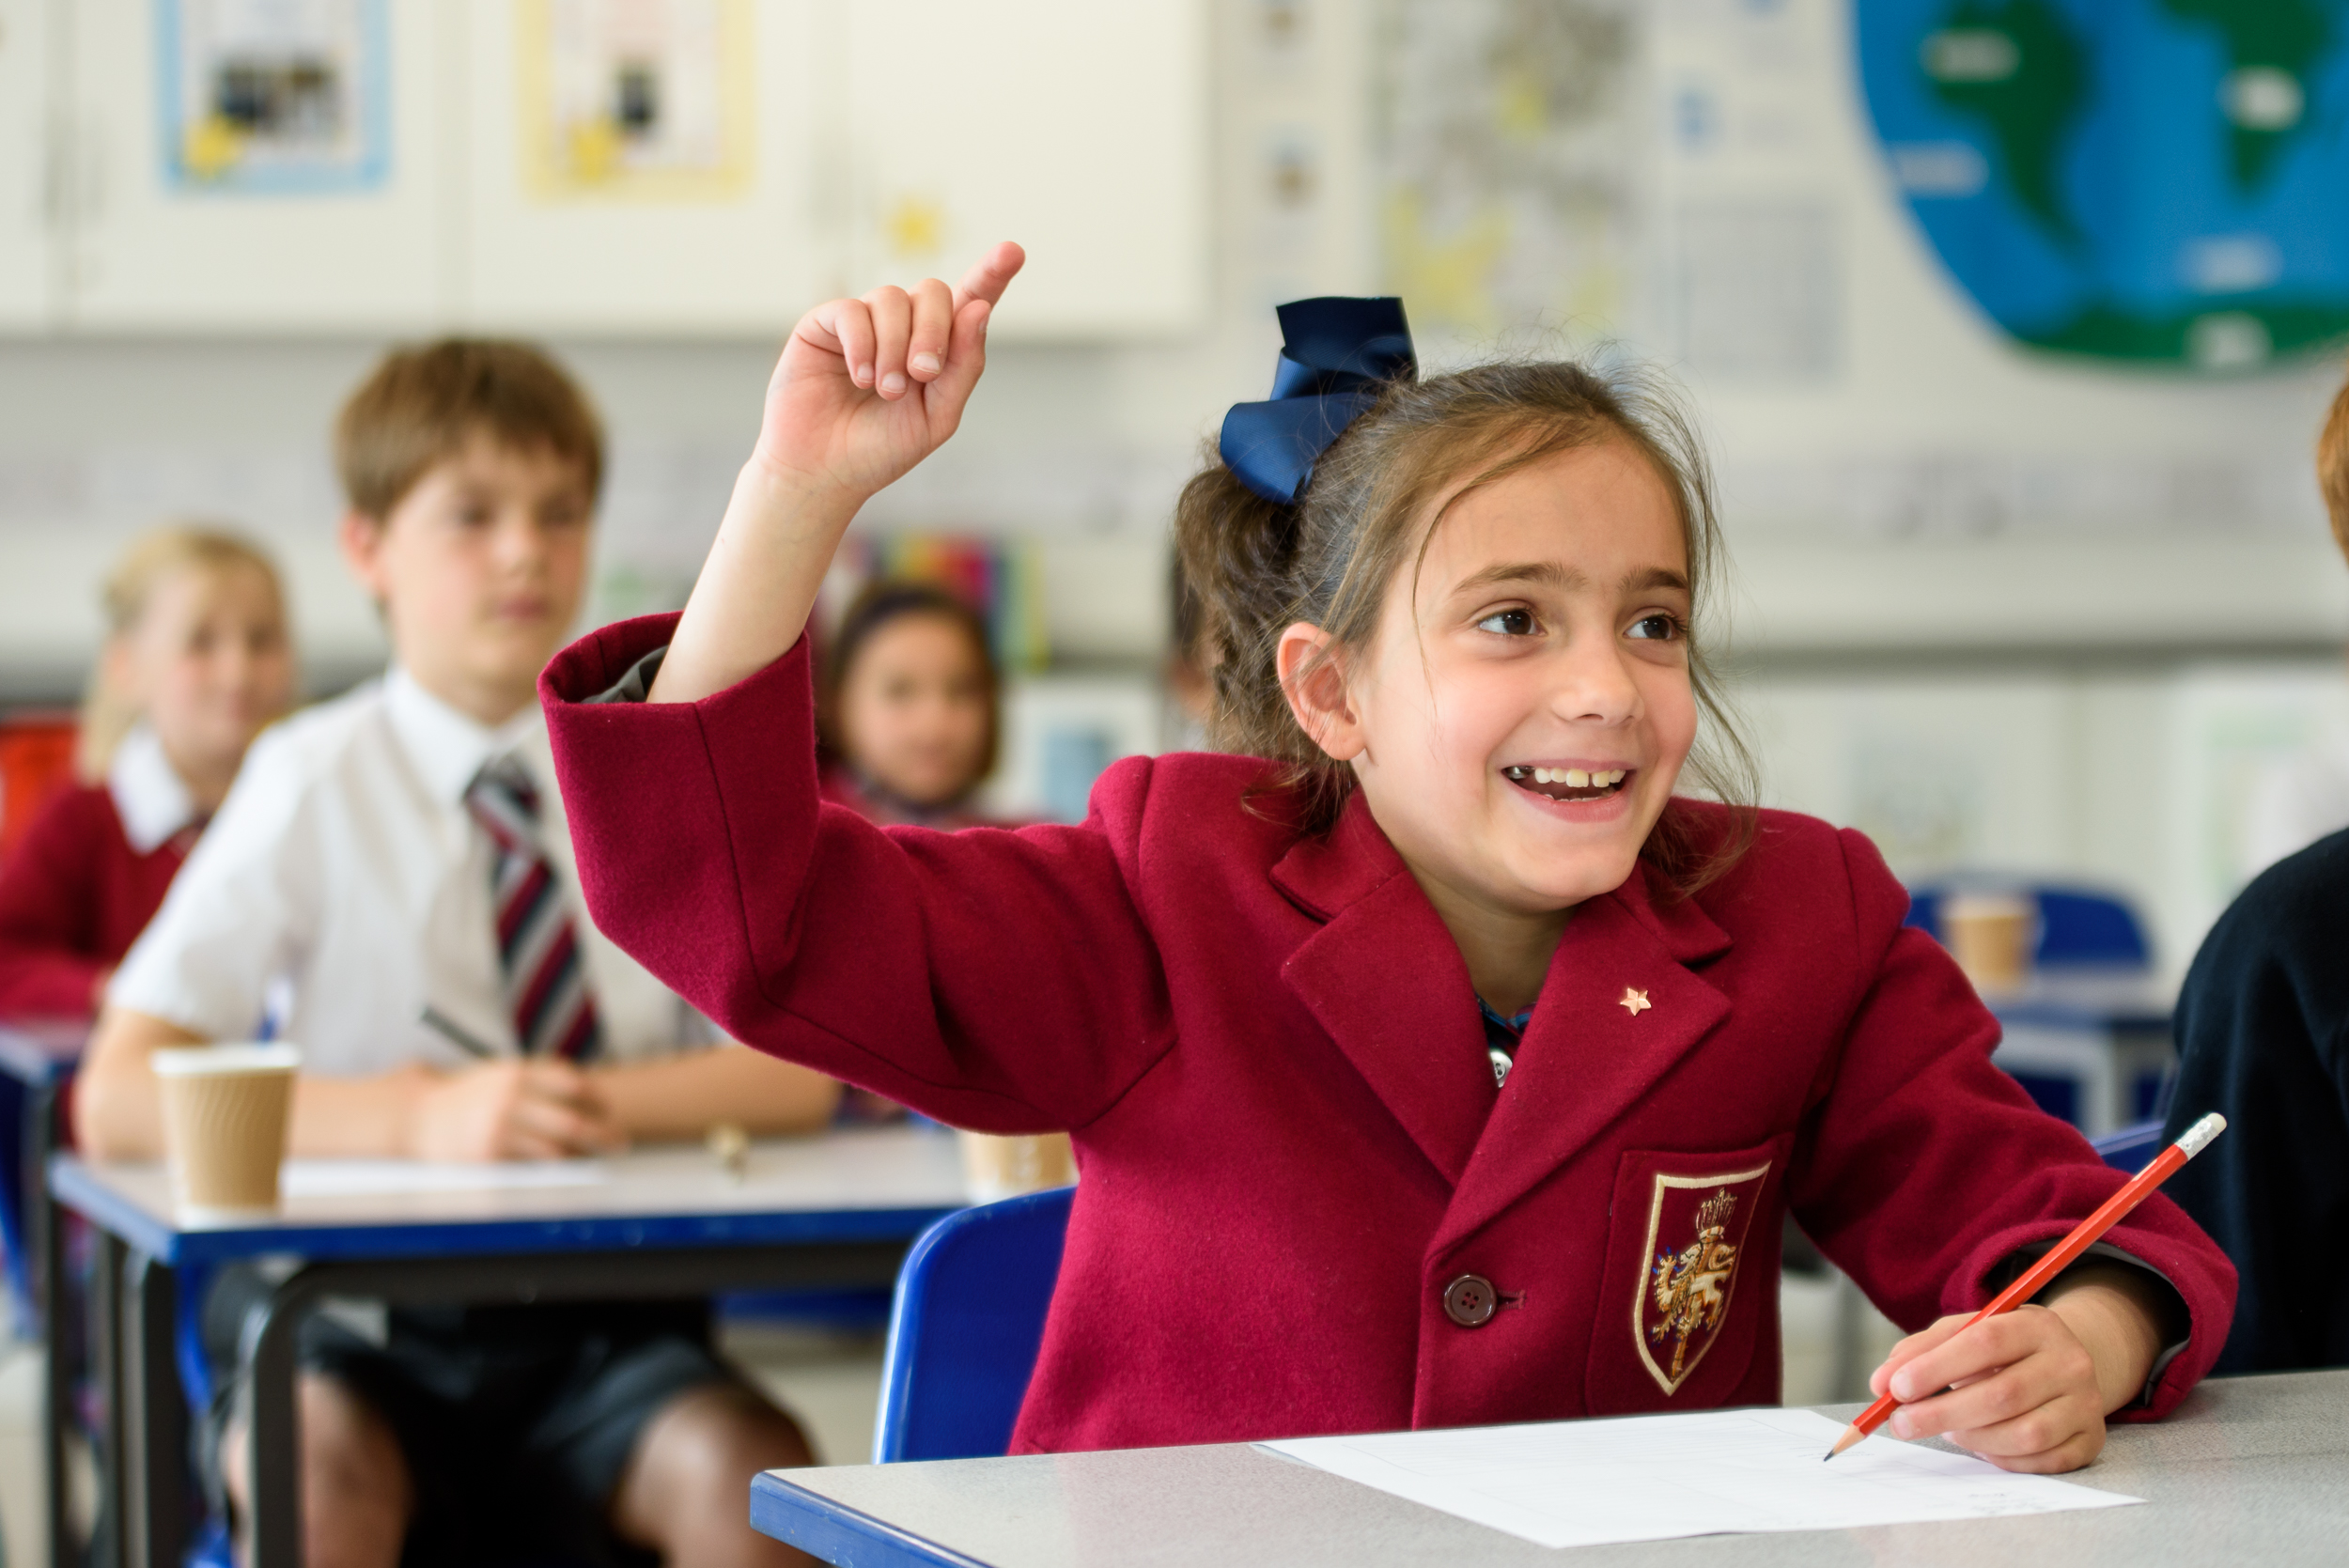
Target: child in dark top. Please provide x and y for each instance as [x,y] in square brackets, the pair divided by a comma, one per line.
[197,663]
[2263,1037]
[1454,622]
[910,707]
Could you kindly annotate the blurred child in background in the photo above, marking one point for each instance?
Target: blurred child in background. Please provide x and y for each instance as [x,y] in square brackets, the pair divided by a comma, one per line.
[910,705]
[197,662]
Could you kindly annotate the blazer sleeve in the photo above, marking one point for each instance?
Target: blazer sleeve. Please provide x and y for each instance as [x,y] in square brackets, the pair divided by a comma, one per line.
[1927,1170]
[49,962]
[2263,1038]
[992,979]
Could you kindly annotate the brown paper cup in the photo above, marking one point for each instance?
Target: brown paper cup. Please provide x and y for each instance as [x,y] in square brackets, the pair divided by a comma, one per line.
[224,1113]
[1007,1166]
[1992,936]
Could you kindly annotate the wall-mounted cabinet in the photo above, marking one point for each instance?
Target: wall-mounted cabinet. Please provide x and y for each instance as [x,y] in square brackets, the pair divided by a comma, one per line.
[269,168]
[1075,127]
[28,260]
[617,182]
[594,166]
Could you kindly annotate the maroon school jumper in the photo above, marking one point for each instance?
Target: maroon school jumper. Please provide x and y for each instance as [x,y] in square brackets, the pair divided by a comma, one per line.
[74,897]
[1267,1050]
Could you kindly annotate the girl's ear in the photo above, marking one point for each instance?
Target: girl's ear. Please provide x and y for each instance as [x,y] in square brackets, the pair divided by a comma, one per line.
[1313,679]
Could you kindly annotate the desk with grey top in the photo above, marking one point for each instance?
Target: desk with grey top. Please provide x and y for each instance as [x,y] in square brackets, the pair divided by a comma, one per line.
[2251,1471]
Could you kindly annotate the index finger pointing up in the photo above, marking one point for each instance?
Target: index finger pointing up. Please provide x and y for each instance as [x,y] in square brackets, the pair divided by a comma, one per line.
[990,276]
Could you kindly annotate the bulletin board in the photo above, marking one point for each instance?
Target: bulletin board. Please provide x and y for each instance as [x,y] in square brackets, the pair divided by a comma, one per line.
[635,100]
[273,96]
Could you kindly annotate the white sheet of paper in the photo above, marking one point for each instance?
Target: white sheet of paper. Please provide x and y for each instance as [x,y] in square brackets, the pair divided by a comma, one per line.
[1651,1478]
[370,1178]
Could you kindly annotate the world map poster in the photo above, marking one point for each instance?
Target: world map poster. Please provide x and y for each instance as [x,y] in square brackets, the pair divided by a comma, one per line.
[2160,181]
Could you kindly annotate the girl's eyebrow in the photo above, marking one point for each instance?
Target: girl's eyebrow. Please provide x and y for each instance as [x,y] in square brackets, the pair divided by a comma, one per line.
[1554,574]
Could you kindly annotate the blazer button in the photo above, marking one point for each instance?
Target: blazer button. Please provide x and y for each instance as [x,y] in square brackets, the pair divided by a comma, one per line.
[1468,1301]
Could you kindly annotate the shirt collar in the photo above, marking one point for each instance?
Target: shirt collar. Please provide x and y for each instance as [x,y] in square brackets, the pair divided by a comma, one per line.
[446,747]
[150,795]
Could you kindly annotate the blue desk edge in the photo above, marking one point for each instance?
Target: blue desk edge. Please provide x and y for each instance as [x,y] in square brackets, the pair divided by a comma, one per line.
[78,1189]
[838,1533]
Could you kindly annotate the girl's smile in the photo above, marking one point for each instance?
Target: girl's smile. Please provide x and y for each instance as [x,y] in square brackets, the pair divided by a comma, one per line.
[1579,782]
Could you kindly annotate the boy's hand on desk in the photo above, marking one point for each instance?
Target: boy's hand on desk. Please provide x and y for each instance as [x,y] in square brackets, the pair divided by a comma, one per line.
[867,388]
[511,1110]
[2027,1390]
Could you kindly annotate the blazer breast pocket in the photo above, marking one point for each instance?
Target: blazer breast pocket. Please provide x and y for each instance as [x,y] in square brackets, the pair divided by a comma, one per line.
[1690,1280]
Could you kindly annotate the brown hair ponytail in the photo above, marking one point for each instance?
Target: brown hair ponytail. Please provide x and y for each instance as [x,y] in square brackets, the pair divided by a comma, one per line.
[1260,566]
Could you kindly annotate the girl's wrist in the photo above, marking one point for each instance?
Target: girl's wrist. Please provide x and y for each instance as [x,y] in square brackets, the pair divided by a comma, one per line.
[2111,1312]
[775,495]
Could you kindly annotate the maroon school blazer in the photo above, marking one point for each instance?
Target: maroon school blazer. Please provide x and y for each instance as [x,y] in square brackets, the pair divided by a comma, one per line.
[1304,1208]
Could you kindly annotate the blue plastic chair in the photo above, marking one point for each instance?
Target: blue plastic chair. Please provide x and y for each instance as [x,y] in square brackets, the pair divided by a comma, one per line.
[2076,925]
[2130,1148]
[964,1332]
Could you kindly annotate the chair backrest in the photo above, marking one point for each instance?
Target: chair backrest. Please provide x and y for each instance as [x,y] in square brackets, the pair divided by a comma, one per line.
[2076,925]
[2130,1148]
[964,1332]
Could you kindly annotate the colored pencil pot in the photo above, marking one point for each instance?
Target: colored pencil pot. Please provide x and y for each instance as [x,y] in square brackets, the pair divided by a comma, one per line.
[224,1114]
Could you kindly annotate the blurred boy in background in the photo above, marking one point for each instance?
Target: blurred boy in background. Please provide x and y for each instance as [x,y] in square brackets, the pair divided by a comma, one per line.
[391,886]
[197,660]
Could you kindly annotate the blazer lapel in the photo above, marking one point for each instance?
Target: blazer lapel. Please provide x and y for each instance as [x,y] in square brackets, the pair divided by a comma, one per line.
[1385,978]
[1618,1010]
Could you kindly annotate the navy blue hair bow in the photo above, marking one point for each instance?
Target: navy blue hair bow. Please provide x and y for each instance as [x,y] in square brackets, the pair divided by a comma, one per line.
[1335,353]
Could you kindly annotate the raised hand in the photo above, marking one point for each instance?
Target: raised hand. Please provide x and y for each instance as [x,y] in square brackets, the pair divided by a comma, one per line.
[866,388]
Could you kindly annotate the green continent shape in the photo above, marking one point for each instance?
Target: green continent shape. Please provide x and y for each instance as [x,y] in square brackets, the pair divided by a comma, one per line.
[2032,110]
[2290,36]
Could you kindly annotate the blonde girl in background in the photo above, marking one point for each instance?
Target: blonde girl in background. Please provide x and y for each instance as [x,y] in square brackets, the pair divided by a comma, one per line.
[197,663]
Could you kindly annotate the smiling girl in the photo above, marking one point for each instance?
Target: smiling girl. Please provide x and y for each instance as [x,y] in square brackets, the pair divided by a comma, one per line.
[1437,1063]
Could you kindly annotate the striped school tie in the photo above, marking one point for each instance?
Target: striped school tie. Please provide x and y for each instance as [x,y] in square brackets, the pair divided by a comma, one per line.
[546,983]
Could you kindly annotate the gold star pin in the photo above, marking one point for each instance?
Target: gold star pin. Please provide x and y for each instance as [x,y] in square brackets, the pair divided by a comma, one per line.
[1633,1002]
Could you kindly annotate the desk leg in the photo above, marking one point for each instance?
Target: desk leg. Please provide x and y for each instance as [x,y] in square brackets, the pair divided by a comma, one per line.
[155,1422]
[105,1318]
[276,1431]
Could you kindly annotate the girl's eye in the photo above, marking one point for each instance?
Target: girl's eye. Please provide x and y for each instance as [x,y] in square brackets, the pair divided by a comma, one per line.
[1660,627]
[1508,623]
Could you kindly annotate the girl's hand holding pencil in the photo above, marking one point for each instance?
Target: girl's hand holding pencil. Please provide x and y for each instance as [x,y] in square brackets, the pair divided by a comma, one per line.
[2027,1387]
[866,389]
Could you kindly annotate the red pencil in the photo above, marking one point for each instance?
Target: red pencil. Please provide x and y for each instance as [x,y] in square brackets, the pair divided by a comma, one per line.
[2115,1208]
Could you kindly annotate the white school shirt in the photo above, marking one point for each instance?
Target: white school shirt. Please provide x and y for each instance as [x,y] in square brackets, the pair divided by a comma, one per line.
[344,887]
[150,795]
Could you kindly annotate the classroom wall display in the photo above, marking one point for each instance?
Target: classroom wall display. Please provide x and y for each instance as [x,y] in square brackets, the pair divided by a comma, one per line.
[1509,143]
[2151,182]
[996,577]
[273,96]
[636,100]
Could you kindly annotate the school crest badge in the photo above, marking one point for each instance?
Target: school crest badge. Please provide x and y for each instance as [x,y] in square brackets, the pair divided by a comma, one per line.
[1696,1236]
